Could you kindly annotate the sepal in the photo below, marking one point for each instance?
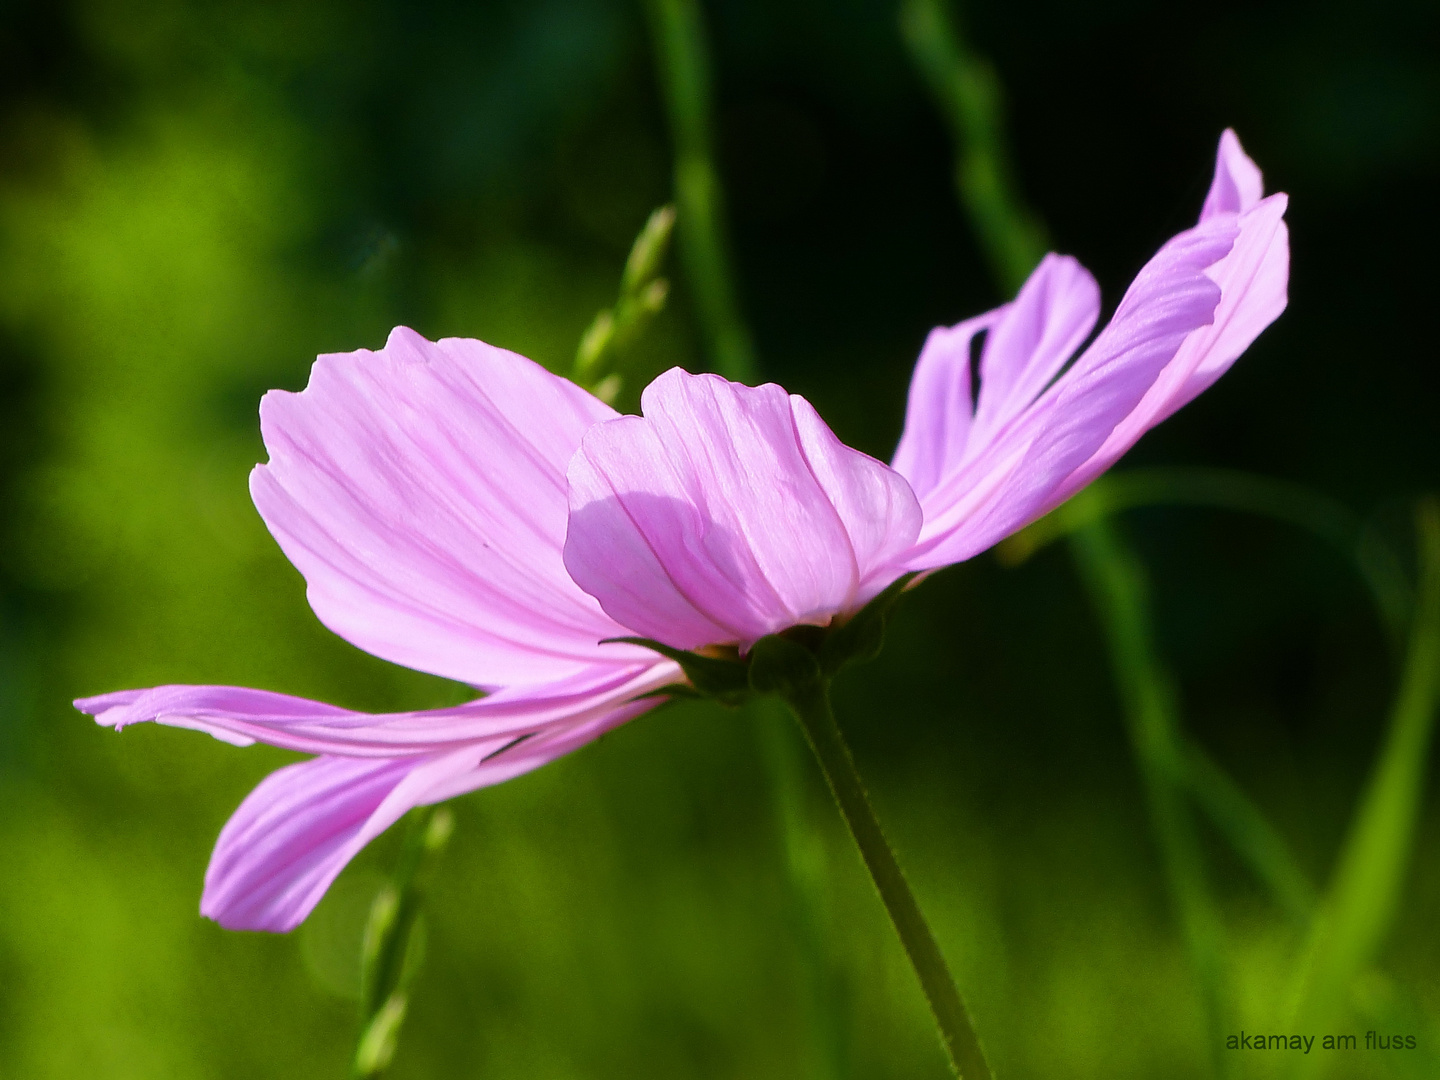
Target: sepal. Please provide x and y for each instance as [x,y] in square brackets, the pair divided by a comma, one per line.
[724,680]
[861,637]
[781,665]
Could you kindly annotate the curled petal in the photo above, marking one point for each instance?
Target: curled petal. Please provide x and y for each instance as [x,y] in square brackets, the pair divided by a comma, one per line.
[298,829]
[421,492]
[1192,310]
[295,832]
[939,410]
[1238,184]
[241,716]
[1028,343]
[728,512]
[1253,282]
[1254,278]
[1017,475]
[1053,314]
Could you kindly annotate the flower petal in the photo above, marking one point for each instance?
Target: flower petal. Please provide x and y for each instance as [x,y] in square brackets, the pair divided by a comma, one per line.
[242,716]
[728,512]
[1018,474]
[1254,280]
[296,831]
[1036,453]
[1028,343]
[421,492]
[939,410]
[1051,317]
[1238,184]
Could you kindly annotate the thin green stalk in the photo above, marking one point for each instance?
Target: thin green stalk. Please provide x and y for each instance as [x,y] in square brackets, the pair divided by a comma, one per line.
[1360,904]
[810,701]
[684,70]
[1118,586]
[1231,489]
[968,93]
[1215,792]
[1249,832]
[643,292]
[394,944]
[1376,998]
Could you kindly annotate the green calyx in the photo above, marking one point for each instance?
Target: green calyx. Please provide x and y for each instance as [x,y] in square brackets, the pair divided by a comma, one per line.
[790,663]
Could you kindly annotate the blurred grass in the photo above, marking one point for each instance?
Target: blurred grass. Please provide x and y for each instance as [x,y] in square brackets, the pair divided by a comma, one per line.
[1359,907]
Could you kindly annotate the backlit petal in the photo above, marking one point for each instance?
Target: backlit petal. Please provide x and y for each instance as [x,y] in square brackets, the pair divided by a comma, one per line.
[421,492]
[1179,327]
[1028,342]
[1050,319]
[296,831]
[242,716]
[940,409]
[728,512]
[1238,183]
[1253,281]
[1019,473]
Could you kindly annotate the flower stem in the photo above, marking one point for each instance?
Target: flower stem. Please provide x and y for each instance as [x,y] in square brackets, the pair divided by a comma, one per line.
[810,702]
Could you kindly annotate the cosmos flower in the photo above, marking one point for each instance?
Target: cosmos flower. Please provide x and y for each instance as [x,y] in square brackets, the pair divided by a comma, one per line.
[458,509]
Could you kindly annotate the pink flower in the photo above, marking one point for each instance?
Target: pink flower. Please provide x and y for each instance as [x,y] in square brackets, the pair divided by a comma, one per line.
[457,509]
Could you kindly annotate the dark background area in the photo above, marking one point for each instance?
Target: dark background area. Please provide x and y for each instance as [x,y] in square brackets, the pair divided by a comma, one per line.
[195,199]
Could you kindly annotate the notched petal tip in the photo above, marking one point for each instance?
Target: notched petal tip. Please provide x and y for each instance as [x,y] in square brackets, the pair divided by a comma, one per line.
[118,709]
[241,716]
[1047,448]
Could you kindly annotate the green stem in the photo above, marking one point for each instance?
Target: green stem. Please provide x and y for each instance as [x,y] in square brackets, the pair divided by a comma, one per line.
[684,68]
[811,704]
[1117,585]
[1361,901]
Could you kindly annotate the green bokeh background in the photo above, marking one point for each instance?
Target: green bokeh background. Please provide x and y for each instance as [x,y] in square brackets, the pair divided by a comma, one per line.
[195,199]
